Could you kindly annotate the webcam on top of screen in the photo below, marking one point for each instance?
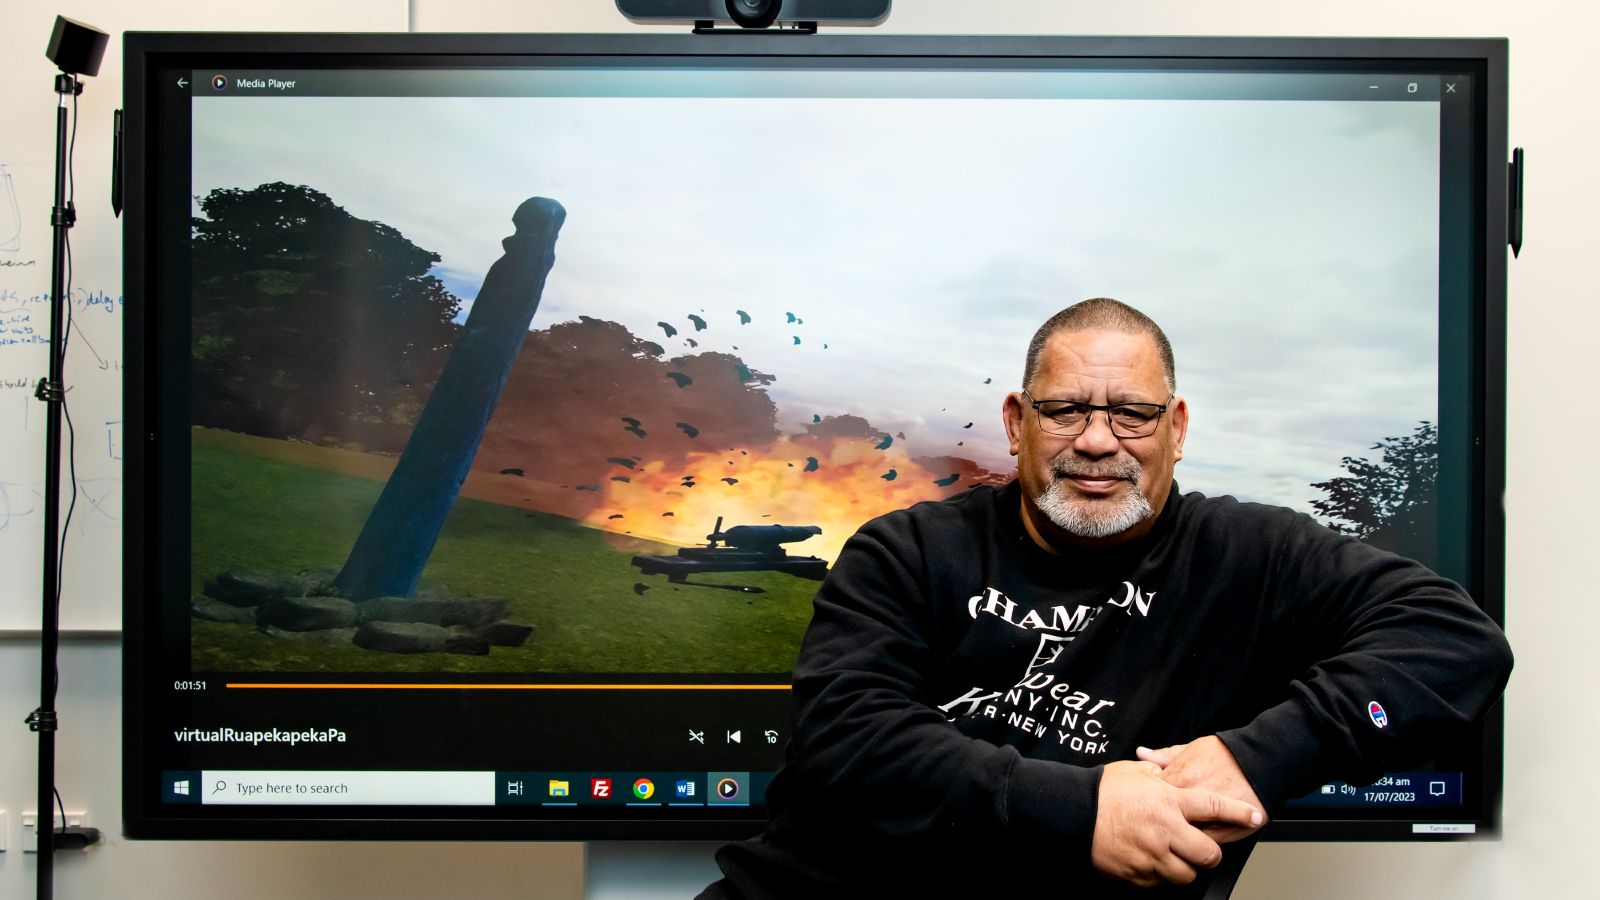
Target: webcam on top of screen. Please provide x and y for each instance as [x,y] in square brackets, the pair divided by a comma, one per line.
[756,16]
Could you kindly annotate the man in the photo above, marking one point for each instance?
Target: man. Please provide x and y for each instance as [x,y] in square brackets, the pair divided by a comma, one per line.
[983,677]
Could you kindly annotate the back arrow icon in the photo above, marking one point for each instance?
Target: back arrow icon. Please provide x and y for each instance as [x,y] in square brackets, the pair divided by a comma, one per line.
[183,83]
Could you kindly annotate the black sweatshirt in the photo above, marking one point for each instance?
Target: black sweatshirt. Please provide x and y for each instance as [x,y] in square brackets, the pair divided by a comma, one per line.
[959,688]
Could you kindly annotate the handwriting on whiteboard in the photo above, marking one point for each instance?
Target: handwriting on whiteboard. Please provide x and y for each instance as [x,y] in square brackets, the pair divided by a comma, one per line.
[10,217]
[22,505]
[25,319]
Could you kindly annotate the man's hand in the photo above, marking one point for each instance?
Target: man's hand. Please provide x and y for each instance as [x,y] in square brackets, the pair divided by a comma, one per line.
[1142,830]
[1207,764]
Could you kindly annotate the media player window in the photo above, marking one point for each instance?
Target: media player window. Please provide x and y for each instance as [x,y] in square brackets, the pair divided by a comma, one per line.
[515,441]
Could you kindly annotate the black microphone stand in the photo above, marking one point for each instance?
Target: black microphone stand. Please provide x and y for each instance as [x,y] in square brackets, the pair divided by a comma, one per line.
[52,391]
[76,49]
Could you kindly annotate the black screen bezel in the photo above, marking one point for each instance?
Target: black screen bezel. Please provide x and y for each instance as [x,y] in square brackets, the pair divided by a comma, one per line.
[148,54]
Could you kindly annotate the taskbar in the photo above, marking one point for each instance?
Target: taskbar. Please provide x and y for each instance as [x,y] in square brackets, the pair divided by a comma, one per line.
[658,789]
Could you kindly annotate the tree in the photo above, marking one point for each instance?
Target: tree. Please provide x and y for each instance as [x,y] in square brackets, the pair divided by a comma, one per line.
[308,320]
[1393,502]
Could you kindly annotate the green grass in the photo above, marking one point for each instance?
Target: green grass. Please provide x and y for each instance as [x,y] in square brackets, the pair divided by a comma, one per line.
[571,582]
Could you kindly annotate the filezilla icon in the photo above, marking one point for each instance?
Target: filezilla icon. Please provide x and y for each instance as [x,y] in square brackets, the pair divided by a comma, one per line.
[600,788]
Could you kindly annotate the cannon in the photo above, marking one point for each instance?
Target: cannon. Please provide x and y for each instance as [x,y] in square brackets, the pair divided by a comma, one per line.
[742,548]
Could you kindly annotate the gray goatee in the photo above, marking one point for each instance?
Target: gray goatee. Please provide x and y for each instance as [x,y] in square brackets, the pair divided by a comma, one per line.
[1097,517]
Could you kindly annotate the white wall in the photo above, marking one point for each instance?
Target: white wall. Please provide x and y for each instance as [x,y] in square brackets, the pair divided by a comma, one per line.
[1552,719]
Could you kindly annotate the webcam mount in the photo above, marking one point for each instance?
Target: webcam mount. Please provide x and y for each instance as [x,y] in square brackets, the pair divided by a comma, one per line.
[756,16]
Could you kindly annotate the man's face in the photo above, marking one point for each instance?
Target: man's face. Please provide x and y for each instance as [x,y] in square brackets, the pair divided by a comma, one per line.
[1095,488]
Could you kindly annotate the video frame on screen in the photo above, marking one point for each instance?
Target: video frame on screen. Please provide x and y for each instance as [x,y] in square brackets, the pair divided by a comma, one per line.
[767,321]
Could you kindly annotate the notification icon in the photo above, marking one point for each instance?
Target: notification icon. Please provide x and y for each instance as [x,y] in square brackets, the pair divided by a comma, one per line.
[644,789]
[600,788]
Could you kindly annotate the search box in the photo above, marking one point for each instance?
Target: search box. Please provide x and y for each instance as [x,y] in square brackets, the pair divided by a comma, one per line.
[240,788]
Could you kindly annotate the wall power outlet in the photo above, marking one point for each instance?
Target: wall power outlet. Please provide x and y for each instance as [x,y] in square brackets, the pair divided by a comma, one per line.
[30,822]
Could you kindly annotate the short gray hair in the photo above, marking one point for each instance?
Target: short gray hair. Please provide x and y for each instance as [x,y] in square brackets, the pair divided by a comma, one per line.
[1102,314]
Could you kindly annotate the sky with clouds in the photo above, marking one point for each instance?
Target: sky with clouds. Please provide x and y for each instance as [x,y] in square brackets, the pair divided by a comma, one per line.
[1289,248]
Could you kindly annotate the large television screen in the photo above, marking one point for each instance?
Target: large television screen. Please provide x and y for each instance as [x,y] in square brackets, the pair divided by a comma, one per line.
[502,400]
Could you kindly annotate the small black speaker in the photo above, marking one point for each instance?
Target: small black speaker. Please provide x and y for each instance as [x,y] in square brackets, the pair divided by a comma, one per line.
[76,48]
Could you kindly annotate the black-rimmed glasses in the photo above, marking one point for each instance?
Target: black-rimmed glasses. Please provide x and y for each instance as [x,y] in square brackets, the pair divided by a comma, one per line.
[1070,418]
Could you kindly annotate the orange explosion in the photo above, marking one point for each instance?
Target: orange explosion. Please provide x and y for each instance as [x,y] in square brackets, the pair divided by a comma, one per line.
[776,484]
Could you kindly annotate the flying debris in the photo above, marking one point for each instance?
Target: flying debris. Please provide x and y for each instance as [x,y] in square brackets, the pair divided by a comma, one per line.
[699,323]
[691,342]
[731,480]
[671,332]
[744,317]
[811,464]
[665,514]
[622,478]
[968,425]
[633,426]
[517,472]
[622,461]
[654,348]
[890,475]
[590,320]
[815,418]
[681,379]
[824,346]
[589,487]
[797,340]
[640,588]
[946,482]
[745,375]
[790,318]
[988,381]
[883,444]
[614,516]
[688,429]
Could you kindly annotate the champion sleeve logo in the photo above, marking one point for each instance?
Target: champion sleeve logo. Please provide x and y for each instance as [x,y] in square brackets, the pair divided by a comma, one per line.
[1379,717]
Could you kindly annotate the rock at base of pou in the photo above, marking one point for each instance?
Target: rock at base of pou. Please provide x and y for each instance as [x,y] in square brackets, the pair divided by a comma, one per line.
[402,637]
[469,611]
[247,587]
[213,610]
[308,613]
[464,641]
[505,634]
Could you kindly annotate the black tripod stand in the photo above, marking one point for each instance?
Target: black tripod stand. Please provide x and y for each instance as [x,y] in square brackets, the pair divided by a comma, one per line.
[75,49]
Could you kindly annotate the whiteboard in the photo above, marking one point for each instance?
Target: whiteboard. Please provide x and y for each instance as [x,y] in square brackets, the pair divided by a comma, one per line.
[92,574]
